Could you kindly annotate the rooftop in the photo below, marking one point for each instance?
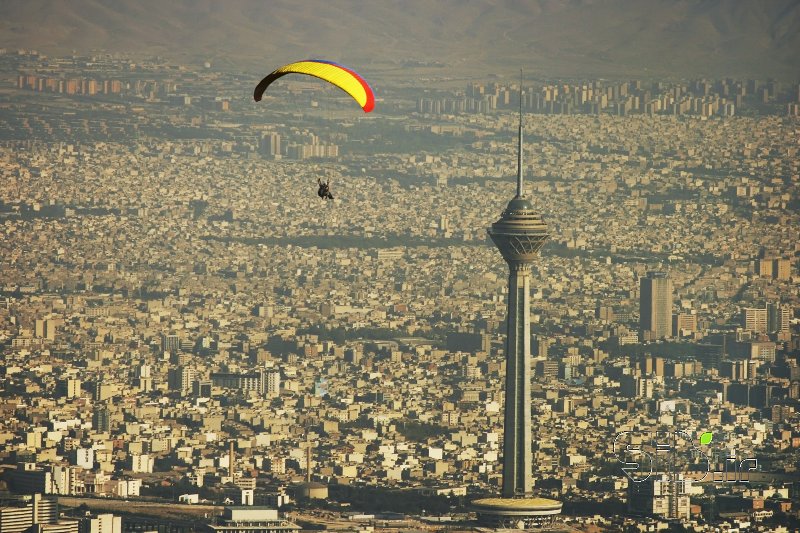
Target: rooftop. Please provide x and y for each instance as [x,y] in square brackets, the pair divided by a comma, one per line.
[516,504]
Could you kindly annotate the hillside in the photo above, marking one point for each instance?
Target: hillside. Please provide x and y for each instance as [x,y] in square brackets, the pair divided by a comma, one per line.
[575,38]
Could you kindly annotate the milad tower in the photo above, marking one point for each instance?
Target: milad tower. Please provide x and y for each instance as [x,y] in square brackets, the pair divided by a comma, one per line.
[518,234]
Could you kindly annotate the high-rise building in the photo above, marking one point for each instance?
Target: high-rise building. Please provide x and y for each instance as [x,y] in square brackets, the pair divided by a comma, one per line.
[760,351]
[142,378]
[271,144]
[778,317]
[181,378]
[540,347]
[518,234]
[202,388]
[45,329]
[764,267]
[684,324]
[27,479]
[772,267]
[655,306]
[141,463]
[664,495]
[782,269]
[604,313]
[252,381]
[547,369]
[652,366]
[636,387]
[170,343]
[69,388]
[35,511]
[271,382]
[101,419]
[104,391]
[736,370]
[754,319]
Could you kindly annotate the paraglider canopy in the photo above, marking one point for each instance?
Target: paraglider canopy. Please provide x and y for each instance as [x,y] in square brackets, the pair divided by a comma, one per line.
[335,74]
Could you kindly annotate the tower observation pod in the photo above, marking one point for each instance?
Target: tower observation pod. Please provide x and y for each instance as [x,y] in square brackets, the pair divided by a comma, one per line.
[518,234]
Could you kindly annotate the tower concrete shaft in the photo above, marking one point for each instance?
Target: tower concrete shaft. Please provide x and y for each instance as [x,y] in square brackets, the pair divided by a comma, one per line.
[517,462]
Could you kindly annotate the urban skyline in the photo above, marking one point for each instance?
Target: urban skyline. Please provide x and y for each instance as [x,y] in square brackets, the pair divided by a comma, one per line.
[193,341]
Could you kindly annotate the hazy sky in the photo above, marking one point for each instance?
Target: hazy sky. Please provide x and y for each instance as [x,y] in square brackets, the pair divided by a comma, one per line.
[459,37]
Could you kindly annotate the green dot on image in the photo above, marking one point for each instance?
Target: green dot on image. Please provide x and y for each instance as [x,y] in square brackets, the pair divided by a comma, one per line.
[705,438]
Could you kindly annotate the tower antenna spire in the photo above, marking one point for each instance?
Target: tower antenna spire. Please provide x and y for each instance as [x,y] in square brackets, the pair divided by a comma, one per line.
[519,146]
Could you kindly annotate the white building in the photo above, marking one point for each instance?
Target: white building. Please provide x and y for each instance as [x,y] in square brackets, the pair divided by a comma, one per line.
[123,488]
[84,457]
[273,383]
[142,463]
[104,523]
[189,498]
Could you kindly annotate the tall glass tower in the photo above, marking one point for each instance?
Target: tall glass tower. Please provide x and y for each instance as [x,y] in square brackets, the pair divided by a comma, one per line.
[519,234]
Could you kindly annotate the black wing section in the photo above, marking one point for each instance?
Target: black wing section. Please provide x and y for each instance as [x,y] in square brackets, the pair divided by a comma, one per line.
[263,84]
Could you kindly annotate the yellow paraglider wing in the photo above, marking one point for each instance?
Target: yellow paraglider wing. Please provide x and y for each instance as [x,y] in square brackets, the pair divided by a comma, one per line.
[338,75]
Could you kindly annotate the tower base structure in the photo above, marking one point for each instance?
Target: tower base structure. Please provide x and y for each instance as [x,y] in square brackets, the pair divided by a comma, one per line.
[516,513]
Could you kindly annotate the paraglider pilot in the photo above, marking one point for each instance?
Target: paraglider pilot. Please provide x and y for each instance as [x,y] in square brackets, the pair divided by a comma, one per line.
[324,191]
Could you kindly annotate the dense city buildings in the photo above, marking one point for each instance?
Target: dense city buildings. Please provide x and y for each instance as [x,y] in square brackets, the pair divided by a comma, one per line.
[171,287]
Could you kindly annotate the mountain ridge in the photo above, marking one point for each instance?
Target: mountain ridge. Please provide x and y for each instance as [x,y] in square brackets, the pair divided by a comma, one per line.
[571,38]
